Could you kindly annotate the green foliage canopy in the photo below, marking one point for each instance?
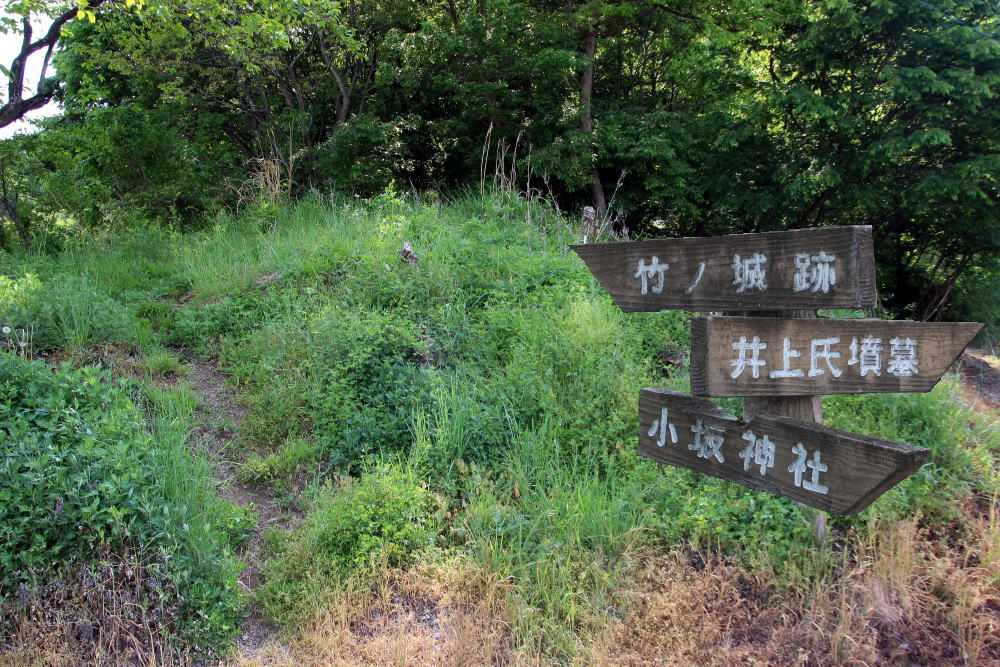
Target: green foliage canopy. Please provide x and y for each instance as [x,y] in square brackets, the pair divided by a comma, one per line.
[696,118]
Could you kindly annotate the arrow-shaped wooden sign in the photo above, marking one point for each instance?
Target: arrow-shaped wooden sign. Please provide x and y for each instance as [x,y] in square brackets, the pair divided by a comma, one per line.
[832,267]
[765,356]
[788,271]
[825,468]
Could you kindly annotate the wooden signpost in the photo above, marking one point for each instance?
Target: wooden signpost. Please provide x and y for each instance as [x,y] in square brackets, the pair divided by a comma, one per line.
[832,470]
[806,269]
[779,363]
[765,356]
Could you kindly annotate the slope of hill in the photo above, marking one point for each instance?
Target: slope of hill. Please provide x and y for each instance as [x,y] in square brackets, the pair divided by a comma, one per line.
[428,457]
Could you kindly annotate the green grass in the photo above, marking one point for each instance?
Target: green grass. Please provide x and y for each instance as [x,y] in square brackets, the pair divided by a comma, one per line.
[293,457]
[82,472]
[486,393]
[162,363]
[384,517]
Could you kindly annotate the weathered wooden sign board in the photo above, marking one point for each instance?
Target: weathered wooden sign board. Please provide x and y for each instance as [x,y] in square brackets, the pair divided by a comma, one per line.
[757,357]
[822,467]
[765,356]
[806,269]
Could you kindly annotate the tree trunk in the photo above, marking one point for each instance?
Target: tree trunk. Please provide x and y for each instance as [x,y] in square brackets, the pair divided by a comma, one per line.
[343,105]
[8,206]
[587,124]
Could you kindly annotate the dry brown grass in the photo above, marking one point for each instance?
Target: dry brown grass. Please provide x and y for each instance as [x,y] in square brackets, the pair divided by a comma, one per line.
[452,613]
[679,612]
[111,613]
[906,599]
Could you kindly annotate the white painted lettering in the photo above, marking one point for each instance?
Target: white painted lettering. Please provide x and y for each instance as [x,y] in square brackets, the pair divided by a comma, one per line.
[902,357]
[800,466]
[706,442]
[654,270]
[754,348]
[663,425]
[820,350]
[787,355]
[697,278]
[749,273]
[867,355]
[814,272]
[759,452]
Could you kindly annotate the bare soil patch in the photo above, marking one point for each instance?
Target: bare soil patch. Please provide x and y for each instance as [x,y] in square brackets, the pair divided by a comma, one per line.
[220,415]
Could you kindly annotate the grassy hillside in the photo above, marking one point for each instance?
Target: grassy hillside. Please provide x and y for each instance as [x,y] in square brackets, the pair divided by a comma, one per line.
[433,460]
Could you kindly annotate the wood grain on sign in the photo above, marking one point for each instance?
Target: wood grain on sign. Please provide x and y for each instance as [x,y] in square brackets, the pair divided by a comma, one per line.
[832,267]
[764,356]
[825,468]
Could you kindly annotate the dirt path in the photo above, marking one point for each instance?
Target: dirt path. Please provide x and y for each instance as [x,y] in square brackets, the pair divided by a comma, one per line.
[219,416]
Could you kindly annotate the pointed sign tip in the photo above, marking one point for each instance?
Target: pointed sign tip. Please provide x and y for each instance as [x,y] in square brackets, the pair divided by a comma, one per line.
[825,468]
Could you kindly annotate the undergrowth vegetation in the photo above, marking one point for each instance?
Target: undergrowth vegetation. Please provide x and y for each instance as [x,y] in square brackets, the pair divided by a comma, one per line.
[83,473]
[477,404]
[384,517]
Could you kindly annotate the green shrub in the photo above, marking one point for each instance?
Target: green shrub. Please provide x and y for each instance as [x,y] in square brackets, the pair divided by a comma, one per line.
[65,312]
[385,516]
[960,448]
[237,522]
[558,524]
[366,378]
[975,300]
[708,513]
[363,157]
[464,422]
[179,400]
[570,360]
[196,325]
[79,471]
[276,412]
[346,379]
[123,166]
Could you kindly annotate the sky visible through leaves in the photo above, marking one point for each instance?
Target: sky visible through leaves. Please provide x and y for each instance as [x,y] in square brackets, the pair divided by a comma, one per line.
[10,44]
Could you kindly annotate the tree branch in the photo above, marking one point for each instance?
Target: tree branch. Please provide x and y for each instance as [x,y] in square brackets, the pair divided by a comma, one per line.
[345,92]
[17,104]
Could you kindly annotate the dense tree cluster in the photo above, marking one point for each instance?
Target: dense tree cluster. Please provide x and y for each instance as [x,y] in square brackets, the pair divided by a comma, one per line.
[668,116]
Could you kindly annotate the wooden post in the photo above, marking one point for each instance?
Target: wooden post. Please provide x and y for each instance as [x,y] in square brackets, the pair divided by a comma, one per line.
[805,408]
